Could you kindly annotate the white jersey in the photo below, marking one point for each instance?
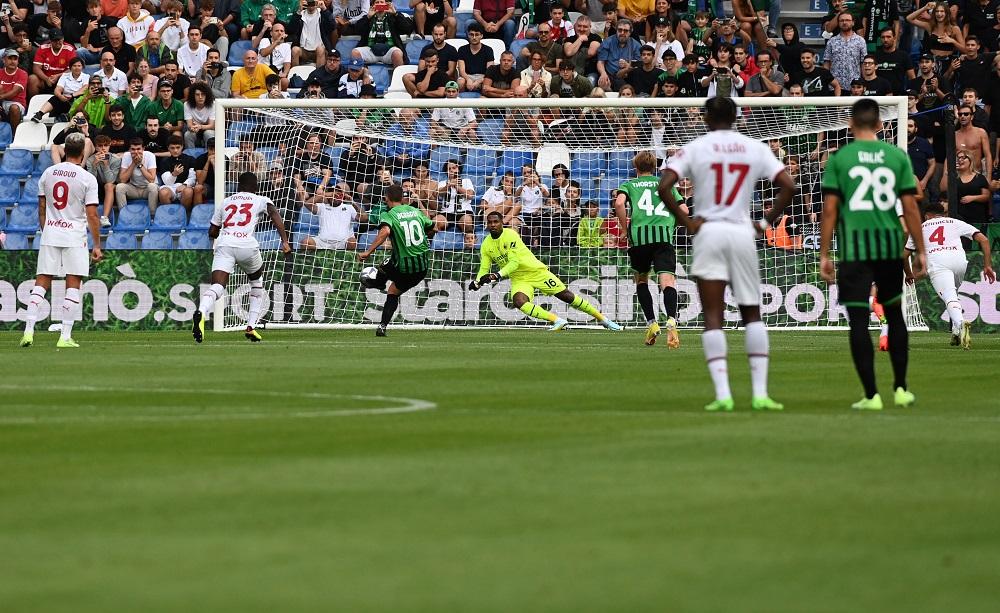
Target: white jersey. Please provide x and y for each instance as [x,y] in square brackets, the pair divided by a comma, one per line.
[724,167]
[336,221]
[943,237]
[237,216]
[454,202]
[67,189]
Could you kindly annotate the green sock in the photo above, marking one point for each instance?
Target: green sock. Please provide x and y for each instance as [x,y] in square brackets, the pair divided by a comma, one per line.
[582,305]
[533,310]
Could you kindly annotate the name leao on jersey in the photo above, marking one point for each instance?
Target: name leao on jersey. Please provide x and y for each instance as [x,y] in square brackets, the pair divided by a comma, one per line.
[868,157]
[729,148]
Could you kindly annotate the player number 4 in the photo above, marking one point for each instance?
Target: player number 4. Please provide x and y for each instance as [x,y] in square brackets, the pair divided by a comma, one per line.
[937,236]
[740,170]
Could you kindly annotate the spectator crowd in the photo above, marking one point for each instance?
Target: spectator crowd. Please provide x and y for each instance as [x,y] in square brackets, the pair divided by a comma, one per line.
[139,79]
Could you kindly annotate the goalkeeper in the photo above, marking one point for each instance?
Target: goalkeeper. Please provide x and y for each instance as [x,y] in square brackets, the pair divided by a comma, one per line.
[505,247]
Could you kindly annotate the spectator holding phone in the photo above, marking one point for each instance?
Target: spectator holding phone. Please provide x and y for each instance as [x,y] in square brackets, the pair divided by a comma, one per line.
[94,102]
[384,43]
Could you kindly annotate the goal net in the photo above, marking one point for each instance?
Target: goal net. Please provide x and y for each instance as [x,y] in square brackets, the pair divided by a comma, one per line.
[550,166]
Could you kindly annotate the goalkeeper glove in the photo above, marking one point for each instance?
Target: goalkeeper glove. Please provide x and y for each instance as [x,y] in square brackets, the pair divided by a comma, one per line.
[492,277]
[473,285]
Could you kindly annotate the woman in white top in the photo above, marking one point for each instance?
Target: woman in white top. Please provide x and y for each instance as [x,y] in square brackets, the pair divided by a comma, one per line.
[500,198]
[199,115]
[536,78]
[532,194]
[456,194]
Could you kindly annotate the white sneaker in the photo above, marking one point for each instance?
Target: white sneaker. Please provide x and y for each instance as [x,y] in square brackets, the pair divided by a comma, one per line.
[105,222]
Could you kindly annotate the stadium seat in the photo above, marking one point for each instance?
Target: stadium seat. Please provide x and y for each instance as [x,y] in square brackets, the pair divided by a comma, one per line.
[16,242]
[402,6]
[236,50]
[10,192]
[489,131]
[302,72]
[586,164]
[3,217]
[346,44]
[43,161]
[201,217]
[448,240]
[441,155]
[121,241]
[513,160]
[397,96]
[234,130]
[469,95]
[365,240]
[54,131]
[194,240]
[396,85]
[35,104]
[16,163]
[413,49]
[381,76]
[29,195]
[269,239]
[195,152]
[5,135]
[481,162]
[307,221]
[498,48]
[157,241]
[169,218]
[23,219]
[518,44]
[133,218]
[549,156]
[457,43]
[30,136]
[463,19]
[619,161]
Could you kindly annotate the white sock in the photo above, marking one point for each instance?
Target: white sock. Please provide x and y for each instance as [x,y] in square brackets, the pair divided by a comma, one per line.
[884,331]
[209,297]
[70,305]
[714,344]
[34,303]
[956,315]
[256,302]
[758,349]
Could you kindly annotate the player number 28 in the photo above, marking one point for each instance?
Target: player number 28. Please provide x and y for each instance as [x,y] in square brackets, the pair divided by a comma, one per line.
[413,232]
[876,185]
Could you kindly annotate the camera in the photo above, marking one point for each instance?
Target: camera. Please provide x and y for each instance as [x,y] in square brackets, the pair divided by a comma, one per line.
[381,7]
[80,121]
[407,194]
[175,15]
[6,11]
[215,66]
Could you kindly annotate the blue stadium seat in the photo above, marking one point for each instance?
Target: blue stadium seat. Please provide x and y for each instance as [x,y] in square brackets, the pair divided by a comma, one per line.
[157,240]
[121,240]
[193,239]
[513,160]
[380,77]
[195,152]
[237,128]
[448,240]
[517,44]
[269,239]
[463,19]
[365,240]
[23,219]
[16,163]
[413,49]
[169,217]
[29,195]
[469,95]
[402,6]
[441,155]
[307,222]
[201,216]
[489,131]
[43,161]
[16,242]
[481,162]
[133,218]
[620,161]
[6,136]
[10,192]
[236,51]
[345,45]
[586,165]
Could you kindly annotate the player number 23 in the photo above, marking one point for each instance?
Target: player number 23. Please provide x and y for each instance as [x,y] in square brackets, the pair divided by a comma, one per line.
[243,210]
[876,186]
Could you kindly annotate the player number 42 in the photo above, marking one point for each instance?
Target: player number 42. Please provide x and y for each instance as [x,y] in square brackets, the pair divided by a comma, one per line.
[646,204]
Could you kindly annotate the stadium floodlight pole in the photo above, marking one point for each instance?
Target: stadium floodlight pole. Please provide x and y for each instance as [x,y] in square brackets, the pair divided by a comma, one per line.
[312,283]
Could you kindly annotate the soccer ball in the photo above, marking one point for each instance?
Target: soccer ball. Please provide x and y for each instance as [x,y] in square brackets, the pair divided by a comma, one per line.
[369,278]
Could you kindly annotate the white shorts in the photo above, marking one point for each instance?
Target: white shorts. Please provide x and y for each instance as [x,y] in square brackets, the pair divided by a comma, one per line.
[62,261]
[175,189]
[946,275]
[371,58]
[322,243]
[7,104]
[228,258]
[726,251]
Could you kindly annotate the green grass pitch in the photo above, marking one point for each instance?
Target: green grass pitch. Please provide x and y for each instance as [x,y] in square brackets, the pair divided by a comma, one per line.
[533,472]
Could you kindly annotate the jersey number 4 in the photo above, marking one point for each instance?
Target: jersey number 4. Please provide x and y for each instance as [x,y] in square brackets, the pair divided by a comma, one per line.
[243,210]
[646,204]
[937,236]
[740,171]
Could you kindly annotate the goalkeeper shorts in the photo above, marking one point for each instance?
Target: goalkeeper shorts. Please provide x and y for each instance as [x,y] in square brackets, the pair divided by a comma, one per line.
[543,280]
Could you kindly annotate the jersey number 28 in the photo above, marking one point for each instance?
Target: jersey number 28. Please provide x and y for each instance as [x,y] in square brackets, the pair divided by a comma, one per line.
[877,185]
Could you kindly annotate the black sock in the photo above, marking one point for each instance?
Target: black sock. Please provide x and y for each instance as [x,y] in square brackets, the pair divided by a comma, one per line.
[670,301]
[645,301]
[899,343]
[861,348]
[389,308]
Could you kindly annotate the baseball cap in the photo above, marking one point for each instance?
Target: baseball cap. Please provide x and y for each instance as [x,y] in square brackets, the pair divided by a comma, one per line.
[312,81]
[164,84]
[11,53]
[356,63]
[451,85]
[857,82]
[55,34]
[334,53]
[661,21]
[927,56]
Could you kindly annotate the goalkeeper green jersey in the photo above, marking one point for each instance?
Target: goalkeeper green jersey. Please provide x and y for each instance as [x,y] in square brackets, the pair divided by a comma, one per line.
[509,253]
[649,219]
[869,176]
[408,231]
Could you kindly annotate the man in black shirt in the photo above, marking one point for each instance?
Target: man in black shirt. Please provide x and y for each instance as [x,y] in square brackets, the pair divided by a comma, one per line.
[204,167]
[688,81]
[328,75]
[155,139]
[645,78]
[500,81]
[117,130]
[311,171]
[972,68]
[428,82]
[816,80]
[358,165]
[874,85]
[473,60]
[921,157]
[892,63]
[176,174]
[582,47]
[124,54]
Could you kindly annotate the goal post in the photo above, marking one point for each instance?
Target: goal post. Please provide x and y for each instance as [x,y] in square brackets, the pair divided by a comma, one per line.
[290,143]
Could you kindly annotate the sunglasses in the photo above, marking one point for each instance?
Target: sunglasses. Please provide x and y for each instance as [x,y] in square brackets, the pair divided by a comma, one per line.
[965,114]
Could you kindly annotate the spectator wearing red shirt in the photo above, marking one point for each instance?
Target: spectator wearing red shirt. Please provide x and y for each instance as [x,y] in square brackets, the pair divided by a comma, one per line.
[51,60]
[13,88]
[497,19]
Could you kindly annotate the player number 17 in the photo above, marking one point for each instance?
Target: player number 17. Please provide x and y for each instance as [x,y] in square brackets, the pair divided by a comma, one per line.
[739,170]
